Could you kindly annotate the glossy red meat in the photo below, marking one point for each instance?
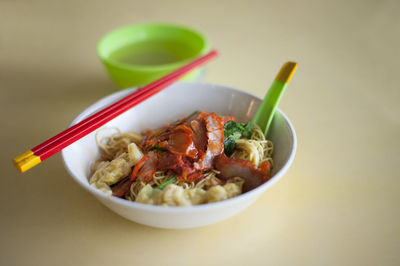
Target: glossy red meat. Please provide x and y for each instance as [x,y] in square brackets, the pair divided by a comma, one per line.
[230,168]
[186,148]
[120,189]
[180,143]
[145,168]
[168,161]
[199,135]
[215,140]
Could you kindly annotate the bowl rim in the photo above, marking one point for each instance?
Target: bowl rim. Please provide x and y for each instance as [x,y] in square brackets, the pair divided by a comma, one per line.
[152,68]
[109,99]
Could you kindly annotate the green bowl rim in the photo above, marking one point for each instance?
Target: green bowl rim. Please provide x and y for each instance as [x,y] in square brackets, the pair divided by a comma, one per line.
[161,67]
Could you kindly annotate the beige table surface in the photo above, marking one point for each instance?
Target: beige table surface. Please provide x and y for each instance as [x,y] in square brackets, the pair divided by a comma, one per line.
[337,205]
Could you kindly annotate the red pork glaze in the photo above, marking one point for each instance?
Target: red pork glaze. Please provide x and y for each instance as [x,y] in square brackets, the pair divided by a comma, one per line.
[230,168]
[145,168]
[215,140]
[188,147]
[180,143]
[123,186]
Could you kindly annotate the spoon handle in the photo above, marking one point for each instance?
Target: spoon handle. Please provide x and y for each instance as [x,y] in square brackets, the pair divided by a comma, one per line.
[265,112]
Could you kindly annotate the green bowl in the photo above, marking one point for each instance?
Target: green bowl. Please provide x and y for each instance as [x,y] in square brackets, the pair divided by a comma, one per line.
[139,54]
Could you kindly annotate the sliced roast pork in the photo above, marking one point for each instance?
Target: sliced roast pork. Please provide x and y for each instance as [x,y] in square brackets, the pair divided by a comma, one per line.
[230,168]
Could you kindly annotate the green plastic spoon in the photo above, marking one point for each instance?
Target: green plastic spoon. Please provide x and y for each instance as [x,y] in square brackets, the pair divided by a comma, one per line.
[266,110]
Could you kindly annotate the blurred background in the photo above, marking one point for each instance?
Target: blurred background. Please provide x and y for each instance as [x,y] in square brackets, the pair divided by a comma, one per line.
[337,205]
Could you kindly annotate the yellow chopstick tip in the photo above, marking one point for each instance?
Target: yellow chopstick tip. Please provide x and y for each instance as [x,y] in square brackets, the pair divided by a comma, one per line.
[286,72]
[26,161]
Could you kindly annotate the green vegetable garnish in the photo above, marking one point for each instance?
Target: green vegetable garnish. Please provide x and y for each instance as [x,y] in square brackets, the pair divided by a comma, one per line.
[247,130]
[229,145]
[170,180]
[234,131]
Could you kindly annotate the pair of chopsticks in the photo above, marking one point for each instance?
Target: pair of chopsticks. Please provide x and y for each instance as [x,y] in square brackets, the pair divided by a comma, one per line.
[55,144]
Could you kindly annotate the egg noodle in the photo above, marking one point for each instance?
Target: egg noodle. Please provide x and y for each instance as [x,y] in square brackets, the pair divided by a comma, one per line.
[120,152]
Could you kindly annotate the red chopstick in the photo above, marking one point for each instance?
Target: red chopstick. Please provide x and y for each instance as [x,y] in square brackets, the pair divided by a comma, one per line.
[168,79]
[53,145]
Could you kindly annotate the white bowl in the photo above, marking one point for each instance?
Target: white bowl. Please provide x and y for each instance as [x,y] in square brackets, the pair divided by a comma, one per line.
[170,104]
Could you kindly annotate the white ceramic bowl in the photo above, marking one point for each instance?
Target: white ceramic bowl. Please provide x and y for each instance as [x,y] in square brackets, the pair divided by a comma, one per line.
[170,104]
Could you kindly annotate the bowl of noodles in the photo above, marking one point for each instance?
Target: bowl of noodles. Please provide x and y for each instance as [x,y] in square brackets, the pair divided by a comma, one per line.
[189,156]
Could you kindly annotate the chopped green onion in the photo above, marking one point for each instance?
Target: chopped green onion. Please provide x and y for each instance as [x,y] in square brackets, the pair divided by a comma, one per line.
[167,182]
